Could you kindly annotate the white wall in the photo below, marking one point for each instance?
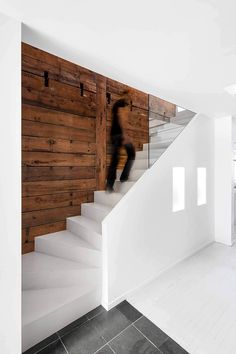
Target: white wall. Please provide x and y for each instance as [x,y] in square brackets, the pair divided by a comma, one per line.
[10,185]
[142,236]
[223,180]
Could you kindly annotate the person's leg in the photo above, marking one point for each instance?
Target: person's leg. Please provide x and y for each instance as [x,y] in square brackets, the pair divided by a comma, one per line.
[111,176]
[129,163]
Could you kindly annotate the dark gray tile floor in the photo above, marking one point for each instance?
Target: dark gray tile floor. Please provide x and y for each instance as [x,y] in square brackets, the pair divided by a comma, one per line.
[122,330]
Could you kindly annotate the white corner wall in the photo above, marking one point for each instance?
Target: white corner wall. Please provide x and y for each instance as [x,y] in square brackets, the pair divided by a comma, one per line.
[224,180]
[10,185]
[142,236]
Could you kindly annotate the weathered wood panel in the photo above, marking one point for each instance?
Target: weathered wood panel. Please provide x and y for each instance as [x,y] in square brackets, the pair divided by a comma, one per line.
[161,107]
[52,187]
[66,121]
[31,173]
[39,217]
[51,201]
[51,116]
[101,133]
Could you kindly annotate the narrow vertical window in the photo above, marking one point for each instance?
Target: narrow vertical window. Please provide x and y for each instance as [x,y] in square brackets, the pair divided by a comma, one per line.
[201,186]
[178,188]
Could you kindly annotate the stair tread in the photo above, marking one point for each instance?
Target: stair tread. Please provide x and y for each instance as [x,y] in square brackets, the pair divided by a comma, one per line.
[39,303]
[68,238]
[87,223]
[99,206]
[40,262]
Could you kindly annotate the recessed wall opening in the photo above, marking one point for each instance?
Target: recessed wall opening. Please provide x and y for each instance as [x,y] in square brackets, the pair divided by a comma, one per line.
[201,186]
[178,189]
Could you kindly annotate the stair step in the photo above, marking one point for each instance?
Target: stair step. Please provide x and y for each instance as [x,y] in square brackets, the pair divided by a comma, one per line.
[46,311]
[109,199]
[70,246]
[140,164]
[123,187]
[87,229]
[172,134]
[159,145]
[134,174]
[95,211]
[152,154]
[41,271]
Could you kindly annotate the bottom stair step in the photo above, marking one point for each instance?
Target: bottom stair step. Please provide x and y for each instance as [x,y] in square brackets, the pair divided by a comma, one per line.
[46,311]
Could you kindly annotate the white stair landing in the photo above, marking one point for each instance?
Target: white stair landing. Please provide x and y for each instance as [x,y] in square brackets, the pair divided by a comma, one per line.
[58,297]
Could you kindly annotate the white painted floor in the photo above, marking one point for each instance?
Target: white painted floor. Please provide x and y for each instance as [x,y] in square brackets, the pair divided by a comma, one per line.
[195,301]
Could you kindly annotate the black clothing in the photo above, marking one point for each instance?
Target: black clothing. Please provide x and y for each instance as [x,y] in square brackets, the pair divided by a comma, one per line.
[116,128]
[117,142]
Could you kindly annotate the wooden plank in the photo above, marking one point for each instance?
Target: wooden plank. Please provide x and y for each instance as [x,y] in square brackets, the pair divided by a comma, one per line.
[39,217]
[51,187]
[56,159]
[30,174]
[44,115]
[162,107]
[57,145]
[58,95]
[59,200]
[101,133]
[27,247]
[44,229]
[57,132]
[37,61]
[39,54]
[139,99]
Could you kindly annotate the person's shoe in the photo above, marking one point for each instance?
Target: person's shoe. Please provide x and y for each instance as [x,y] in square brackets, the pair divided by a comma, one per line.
[109,189]
[123,180]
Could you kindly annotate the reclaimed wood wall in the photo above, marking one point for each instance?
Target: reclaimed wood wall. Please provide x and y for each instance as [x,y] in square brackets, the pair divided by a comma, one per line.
[66,118]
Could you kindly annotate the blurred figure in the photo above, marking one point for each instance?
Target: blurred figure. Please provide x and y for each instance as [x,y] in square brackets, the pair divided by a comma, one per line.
[120,111]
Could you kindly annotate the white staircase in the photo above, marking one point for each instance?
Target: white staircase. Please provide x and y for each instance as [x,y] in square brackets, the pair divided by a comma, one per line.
[62,278]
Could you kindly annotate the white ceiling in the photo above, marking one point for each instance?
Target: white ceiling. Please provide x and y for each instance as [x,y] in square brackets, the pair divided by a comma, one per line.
[183,51]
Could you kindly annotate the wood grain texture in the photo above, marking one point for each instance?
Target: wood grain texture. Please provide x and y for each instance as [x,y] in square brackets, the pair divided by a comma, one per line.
[66,121]
[101,133]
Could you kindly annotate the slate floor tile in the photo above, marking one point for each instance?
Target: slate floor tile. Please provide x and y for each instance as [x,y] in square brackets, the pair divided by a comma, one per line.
[131,341]
[129,311]
[54,348]
[36,348]
[83,340]
[110,323]
[152,332]
[171,347]
[72,326]
[95,312]
[105,350]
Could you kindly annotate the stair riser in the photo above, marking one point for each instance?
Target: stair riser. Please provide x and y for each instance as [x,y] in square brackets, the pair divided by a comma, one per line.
[134,174]
[152,154]
[89,211]
[122,187]
[36,331]
[54,279]
[78,254]
[106,198]
[155,146]
[165,136]
[140,164]
[88,235]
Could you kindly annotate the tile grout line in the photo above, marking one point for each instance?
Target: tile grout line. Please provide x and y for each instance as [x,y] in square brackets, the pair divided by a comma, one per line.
[111,348]
[38,351]
[64,346]
[148,338]
[108,342]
